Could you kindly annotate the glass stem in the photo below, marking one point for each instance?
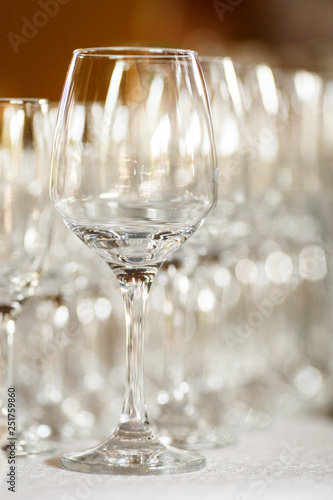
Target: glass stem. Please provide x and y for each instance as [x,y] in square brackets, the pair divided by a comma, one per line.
[174,342]
[173,402]
[7,328]
[135,286]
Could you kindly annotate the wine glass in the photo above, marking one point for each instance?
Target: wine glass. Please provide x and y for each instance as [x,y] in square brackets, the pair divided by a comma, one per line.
[25,223]
[134,176]
[53,363]
[177,415]
[287,236]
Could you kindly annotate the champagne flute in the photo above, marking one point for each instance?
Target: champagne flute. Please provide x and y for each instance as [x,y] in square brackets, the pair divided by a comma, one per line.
[134,176]
[25,222]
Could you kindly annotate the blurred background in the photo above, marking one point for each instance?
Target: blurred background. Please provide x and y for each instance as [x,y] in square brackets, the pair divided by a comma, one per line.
[38,37]
[256,304]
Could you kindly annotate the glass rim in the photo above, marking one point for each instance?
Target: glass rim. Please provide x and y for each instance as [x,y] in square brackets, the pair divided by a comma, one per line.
[127,52]
[213,58]
[21,101]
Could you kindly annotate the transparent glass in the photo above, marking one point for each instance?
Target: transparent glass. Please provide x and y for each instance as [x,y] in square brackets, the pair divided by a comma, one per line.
[287,232]
[134,176]
[25,223]
[179,418]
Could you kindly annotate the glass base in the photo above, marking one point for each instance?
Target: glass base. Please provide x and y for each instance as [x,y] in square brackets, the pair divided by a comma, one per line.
[178,424]
[33,440]
[133,456]
[31,445]
[199,439]
[27,443]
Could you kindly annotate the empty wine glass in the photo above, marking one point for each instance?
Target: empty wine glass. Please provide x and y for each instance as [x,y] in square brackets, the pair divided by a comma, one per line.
[134,176]
[285,252]
[177,417]
[25,222]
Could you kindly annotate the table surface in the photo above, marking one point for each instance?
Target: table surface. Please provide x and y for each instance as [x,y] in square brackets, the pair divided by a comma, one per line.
[292,459]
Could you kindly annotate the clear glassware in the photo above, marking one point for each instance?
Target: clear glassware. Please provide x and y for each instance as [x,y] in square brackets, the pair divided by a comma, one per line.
[51,366]
[25,224]
[178,420]
[134,176]
[197,397]
[286,305]
[326,175]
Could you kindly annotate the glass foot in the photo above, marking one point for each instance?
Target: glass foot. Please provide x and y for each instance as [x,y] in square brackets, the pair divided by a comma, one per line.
[198,439]
[178,424]
[140,457]
[28,444]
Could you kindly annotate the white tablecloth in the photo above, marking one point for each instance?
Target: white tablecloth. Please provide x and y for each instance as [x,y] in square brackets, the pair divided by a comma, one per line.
[292,459]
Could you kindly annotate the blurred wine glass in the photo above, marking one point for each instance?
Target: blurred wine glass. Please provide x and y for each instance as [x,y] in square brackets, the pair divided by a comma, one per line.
[179,415]
[25,211]
[285,309]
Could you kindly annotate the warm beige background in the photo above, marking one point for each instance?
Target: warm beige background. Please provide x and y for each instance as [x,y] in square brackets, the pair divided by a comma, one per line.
[37,68]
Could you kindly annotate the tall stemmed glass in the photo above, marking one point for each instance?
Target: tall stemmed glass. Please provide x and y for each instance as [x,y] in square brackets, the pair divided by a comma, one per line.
[178,420]
[134,178]
[25,222]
